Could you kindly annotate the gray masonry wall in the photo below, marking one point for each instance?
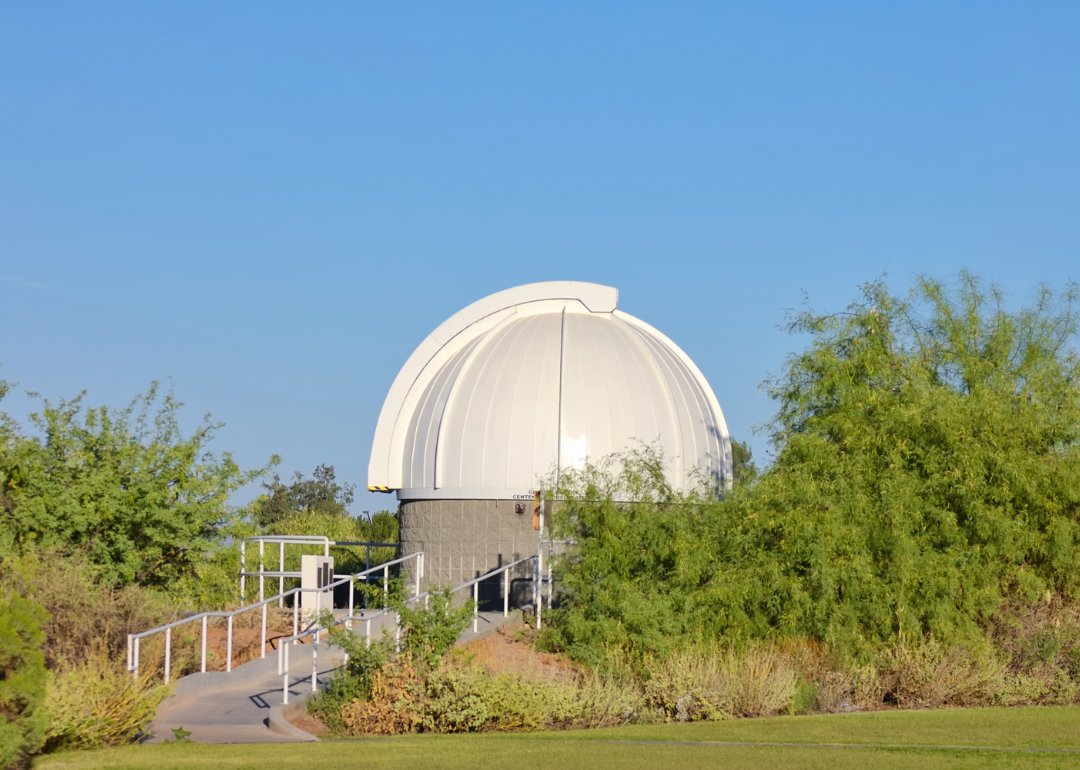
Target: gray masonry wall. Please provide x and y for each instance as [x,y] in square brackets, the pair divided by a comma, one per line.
[464,539]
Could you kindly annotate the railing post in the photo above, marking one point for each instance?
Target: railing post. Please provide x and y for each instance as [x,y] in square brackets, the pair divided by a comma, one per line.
[295,613]
[367,557]
[203,666]
[262,650]
[352,602]
[476,605]
[228,647]
[129,652]
[367,631]
[385,587]
[243,569]
[506,591]
[281,578]
[315,661]
[285,684]
[168,654]
[262,580]
[135,670]
[539,592]
[549,581]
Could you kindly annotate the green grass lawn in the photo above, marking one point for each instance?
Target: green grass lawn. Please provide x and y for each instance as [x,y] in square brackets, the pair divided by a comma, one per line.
[897,739]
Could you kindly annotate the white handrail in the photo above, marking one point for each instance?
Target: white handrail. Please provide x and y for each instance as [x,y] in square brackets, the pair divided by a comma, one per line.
[315,629]
[282,540]
[133,640]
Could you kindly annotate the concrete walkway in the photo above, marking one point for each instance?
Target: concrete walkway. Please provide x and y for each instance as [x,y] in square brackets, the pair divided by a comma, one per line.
[219,707]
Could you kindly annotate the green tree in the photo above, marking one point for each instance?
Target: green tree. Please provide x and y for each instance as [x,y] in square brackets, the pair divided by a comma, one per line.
[744,471]
[321,495]
[927,468]
[22,679]
[927,465]
[127,488]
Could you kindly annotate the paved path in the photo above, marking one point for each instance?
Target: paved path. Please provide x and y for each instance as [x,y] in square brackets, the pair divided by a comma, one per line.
[235,707]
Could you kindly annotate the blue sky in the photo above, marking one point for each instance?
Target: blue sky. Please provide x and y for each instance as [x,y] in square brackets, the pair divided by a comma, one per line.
[269,205]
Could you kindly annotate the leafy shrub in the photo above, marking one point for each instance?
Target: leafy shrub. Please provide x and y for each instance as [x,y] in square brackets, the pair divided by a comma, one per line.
[429,632]
[83,613]
[761,682]
[22,679]
[466,699]
[931,674]
[805,699]
[690,685]
[606,701]
[459,697]
[354,680]
[393,704]
[706,684]
[95,703]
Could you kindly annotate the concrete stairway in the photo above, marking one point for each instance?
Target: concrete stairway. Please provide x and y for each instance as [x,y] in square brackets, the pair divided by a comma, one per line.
[236,707]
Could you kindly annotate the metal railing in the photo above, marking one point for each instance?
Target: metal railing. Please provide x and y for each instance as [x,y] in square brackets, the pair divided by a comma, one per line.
[134,640]
[315,630]
[281,573]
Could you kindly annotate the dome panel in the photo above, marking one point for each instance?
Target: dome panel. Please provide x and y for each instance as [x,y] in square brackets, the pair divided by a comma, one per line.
[550,377]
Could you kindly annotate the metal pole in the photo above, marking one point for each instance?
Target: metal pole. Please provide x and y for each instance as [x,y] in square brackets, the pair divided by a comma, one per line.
[168,653]
[540,569]
[262,653]
[352,595]
[549,581]
[285,684]
[315,661]
[367,631]
[475,605]
[203,667]
[295,613]
[262,580]
[281,578]
[385,587]
[243,569]
[506,592]
[228,647]
[367,557]
[129,645]
[135,670]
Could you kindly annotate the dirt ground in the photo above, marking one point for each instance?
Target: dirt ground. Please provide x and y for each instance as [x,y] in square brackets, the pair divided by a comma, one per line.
[511,652]
[309,724]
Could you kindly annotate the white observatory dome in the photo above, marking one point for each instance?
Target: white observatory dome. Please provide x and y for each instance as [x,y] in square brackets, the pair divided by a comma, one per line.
[535,378]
